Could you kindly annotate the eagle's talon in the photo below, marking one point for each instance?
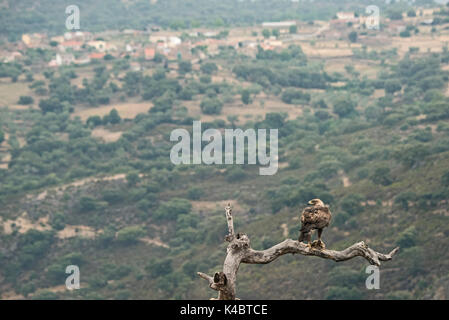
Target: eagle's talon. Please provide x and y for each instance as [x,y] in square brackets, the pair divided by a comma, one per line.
[318,244]
[321,245]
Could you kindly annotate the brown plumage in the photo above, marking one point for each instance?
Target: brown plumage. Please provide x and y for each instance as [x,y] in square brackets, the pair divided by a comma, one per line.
[220,279]
[316,217]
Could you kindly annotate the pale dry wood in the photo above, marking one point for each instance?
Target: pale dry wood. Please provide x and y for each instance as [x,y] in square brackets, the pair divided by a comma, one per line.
[240,251]
[230,221]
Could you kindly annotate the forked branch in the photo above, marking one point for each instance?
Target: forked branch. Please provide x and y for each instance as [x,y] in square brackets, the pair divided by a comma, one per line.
[240,251]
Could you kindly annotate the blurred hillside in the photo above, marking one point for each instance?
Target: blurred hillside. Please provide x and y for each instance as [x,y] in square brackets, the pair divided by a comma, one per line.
[86,177]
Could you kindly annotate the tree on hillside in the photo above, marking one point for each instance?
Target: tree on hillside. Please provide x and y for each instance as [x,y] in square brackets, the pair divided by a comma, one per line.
[343,107]
[352,36]
[382,176]
[211,106]
[184,67]
[114,117]
[24,100]
[266,33]
[392,86]
[239,251]
[208,68]
[411,13]
[132,82]
[293,29]
[444,178]
[50,105]
[395,15]
[130,235]
[2,136]
[246,96]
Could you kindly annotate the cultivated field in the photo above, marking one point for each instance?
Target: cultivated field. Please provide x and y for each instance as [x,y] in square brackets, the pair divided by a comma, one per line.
[125,110]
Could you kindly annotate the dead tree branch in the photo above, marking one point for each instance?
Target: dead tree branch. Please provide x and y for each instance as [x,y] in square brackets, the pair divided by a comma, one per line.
[240,251]
[230,221]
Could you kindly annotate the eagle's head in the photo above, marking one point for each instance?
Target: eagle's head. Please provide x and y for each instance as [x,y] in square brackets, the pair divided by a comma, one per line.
[316,202]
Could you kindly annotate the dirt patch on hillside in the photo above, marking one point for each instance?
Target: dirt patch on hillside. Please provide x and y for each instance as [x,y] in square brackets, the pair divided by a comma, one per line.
[424,43]
[254,111]
[344,179]
[23,224]
[4,161]
[346,182]
[378,93]
[11,295]
[329,49]
[125,110]
[368,69]
[81,182]
[22,141]
[156,242]
[77,231]
[5,156]
[11,91]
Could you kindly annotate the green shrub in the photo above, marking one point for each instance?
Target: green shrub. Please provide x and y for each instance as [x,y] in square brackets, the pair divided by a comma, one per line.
[414,259]
[132,178]
[445,179]
[194,193]
[352,204]
[114,272]
[171,209]
[58,221]
[352,36]
[344,107]
[399,295]
[211,106]
[159,268]
[88,204]
[235,173]
[97,281]
[345,277]
[382,176]
[408,238]
[184,67]
[45,295]
[341,293]
[294,96]
[24,100]
[130,234]
[209,68]
[404,198]
[123,294]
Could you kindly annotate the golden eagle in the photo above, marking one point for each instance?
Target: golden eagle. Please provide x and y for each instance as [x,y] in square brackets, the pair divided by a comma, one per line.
[316,217]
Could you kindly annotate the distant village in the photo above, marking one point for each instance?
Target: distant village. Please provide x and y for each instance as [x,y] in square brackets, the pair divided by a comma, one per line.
[80,47]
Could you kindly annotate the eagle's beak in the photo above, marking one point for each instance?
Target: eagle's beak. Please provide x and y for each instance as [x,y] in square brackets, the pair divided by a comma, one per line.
[310,202]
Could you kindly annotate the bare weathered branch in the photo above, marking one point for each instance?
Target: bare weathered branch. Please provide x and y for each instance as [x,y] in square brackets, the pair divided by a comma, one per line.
[230,221]
[359,249]
[239,251]
[206,277]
